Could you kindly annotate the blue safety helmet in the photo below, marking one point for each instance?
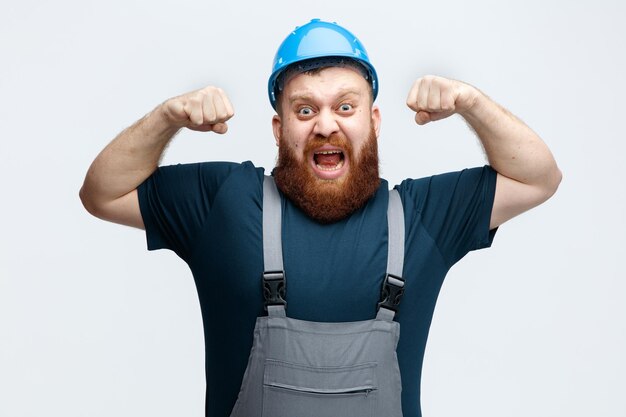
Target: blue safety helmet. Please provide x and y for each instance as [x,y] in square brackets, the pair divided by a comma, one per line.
[319,44]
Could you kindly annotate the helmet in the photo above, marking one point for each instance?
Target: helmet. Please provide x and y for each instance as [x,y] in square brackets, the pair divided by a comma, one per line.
[318,39]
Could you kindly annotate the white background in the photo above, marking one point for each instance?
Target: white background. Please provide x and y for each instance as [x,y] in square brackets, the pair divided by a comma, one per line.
[91,324]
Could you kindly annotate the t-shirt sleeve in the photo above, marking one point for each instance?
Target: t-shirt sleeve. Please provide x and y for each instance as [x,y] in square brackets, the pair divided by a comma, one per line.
[176,200]
[454,209]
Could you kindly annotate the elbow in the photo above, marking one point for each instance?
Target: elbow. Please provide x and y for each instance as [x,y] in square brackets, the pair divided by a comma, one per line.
[88,202]
[552,183]
[557,178]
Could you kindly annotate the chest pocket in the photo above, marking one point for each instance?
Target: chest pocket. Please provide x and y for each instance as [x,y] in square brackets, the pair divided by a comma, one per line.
[319,391]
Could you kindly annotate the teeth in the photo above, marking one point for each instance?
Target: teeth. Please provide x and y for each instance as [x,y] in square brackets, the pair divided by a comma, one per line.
[326,152]
[335,168]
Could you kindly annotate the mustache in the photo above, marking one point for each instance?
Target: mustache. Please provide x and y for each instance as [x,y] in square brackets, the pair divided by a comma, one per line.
[334,139]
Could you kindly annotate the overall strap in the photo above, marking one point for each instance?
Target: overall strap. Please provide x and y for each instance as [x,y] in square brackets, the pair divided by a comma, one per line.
[393,285]
[395,225]
[273,275]
[274,282]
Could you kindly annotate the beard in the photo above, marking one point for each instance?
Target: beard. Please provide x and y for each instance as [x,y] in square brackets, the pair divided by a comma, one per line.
[328,201]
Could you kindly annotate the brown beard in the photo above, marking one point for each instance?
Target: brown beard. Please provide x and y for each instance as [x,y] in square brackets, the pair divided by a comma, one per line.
[328,201]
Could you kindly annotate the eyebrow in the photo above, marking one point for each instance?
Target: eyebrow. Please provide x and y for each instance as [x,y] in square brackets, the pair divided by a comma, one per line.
[308,96]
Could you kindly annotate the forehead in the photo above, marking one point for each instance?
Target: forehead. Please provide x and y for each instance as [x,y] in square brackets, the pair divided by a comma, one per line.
[328,82]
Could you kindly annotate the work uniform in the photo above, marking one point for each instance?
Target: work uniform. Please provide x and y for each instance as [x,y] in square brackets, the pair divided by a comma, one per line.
[210,214]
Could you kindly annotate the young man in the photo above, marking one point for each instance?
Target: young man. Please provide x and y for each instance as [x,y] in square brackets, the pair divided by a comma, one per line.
[334,205]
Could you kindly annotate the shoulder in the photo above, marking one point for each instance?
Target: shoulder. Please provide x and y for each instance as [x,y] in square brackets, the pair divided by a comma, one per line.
[445,185]
[453,208]
[204,168]
[177,201]
[209,174]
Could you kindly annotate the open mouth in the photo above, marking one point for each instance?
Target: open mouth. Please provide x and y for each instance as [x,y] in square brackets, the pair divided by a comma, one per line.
[329,160]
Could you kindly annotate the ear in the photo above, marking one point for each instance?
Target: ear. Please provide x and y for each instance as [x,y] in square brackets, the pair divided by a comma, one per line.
[376,119]
[276,125]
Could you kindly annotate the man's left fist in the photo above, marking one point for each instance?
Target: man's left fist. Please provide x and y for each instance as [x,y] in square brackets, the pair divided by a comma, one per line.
[434,98]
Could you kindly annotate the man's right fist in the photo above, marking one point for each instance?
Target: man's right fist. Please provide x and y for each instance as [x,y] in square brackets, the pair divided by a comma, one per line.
[205,110]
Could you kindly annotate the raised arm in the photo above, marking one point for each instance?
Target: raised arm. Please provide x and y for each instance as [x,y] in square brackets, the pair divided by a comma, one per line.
[110,187]
[527,172]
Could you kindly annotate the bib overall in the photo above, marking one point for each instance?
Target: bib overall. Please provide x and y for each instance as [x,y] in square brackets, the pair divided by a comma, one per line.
[309,369]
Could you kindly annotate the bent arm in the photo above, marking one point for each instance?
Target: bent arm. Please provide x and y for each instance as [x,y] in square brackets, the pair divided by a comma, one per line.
[527,172]
[109,190]
[110,187]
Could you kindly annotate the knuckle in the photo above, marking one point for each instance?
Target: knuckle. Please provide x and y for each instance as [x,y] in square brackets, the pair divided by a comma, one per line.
[206,92]
[447,106]
[221,116]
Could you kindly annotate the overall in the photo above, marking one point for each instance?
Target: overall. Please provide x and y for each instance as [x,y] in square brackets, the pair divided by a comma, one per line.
[309,369]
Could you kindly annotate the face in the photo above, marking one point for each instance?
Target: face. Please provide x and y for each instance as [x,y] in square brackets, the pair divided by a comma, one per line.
[327,136]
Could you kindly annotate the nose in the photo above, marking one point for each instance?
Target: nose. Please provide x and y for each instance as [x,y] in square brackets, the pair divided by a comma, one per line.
[326,123]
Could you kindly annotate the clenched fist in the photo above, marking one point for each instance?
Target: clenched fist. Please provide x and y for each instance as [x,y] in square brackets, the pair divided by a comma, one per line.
[205,110]
[435,98]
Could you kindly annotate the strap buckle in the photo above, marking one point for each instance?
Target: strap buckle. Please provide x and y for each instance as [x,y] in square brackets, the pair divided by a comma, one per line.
[274,288]
[392,291]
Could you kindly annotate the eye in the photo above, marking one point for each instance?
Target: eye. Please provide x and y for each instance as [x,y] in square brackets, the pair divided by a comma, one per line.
[345,107]
[305,111]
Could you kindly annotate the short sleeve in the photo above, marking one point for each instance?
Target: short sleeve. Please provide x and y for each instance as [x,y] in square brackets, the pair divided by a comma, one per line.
[176,200]
[454,209]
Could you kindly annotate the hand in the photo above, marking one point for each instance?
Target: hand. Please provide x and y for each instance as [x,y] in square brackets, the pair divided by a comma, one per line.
[205,110]
[435,98]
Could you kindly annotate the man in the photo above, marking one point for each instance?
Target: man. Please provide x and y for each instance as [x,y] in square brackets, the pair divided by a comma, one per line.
[323,88]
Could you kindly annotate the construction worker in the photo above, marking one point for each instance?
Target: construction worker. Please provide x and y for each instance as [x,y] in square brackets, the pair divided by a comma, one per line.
[324,278]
